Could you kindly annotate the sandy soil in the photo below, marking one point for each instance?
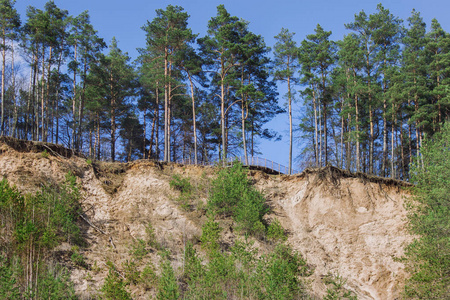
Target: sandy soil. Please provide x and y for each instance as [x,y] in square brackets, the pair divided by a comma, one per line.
[346,226]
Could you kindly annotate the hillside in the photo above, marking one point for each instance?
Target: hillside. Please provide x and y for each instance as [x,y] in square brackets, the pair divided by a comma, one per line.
[343,224]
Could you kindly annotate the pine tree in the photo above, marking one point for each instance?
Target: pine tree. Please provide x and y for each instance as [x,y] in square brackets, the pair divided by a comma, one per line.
[285,66]
[113,82]
[438,48]
[166,35]
[414,64]
[365,28]
[387,37]
[317,56]
[9,25]
[220,49]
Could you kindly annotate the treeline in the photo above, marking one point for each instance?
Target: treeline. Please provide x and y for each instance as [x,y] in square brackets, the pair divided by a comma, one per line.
[368,99]
[68,88]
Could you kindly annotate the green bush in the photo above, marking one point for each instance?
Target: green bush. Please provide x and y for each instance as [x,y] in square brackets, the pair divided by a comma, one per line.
[210,235]
[139,249]
[148,277]
[114,286]
[9,288]
[77,258]
[185,188]
[243,274]
[335,288]
[233,195]
[151,236]
[428,256]
[131,272]
[45,154]
[275,232]
[167,288]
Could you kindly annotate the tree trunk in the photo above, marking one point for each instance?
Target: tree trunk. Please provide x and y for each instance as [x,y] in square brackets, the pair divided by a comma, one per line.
[315,129]
[113,120]
[74,100]
[166,107]
[290,124]
[194,123]
[14,127]
[2,118]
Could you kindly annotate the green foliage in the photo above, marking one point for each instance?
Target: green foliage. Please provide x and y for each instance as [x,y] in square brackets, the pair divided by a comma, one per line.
[139,249]
[210,235]
[77,258]
[33,225]
[151,236]
[167,287]
[185,188]
[243,275]
[429,255]
[148,277]
[8,282]
[54,283]
[131,272]
[45,154]
[336,290]
[114,286]
[233,195]
[275,232]
[280,272]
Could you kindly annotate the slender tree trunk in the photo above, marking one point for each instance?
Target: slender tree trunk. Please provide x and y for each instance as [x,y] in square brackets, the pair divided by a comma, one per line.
[74,99]
[113,119]
[222,113]
[157,124]
[166,107]
[152,134]
[2,118]
[47,97]
[290,124]
[169,116]
[14,127]
[81,109]
[315,128]
[145,135]
[57,98]
[42,95]
[194,123]
[35,100]
[392,141]
[385,131]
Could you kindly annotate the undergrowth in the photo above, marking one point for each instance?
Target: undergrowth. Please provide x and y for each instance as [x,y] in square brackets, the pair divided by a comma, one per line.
[33,226]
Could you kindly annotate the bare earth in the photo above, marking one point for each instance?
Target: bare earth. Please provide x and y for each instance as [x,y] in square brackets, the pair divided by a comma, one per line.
[347,226]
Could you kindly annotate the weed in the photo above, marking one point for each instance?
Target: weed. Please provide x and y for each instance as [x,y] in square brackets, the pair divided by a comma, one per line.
[44,154]
[138,249]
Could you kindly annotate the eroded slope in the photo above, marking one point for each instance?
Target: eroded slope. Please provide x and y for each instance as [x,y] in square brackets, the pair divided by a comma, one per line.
[346,225]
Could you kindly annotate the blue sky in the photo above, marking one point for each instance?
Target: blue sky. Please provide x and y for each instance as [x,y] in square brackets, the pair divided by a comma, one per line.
[123,19]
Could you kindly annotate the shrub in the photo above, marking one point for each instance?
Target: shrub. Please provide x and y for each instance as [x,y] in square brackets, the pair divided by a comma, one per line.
[275,232]
[77,258]
[210,235]
[428,256]
[131,272]
[336,290]
[185,188]
[167,287]
[233,195]
[34,224]
[114,286]
[151,236]
[148,277]
[45,154]
[138,249]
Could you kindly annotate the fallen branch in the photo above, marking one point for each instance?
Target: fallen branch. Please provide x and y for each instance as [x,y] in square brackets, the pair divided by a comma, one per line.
[92,225]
